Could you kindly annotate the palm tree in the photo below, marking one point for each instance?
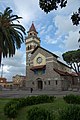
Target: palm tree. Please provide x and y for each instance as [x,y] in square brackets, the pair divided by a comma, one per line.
[11,34]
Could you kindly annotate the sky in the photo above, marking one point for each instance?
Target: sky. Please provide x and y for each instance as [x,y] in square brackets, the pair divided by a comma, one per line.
[55,29]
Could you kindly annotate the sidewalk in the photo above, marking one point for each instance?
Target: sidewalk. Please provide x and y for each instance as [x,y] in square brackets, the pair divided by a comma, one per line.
[21,93]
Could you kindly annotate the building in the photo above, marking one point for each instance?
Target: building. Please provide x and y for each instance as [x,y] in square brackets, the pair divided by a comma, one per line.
[18,81]
[9,85]
[3,82]
[43,69]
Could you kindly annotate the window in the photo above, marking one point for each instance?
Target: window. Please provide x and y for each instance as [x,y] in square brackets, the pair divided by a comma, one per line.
[48,82]
[45,82]
[56,82]
[30,33]
[43,71]
[33,83]
[39,71]
[28,47]
[34,46]
[35,72]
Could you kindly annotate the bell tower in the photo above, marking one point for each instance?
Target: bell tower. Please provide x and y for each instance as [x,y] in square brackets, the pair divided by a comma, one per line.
[32,41]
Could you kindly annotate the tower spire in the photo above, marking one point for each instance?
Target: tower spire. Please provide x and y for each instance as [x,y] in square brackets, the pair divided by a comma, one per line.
[32,28]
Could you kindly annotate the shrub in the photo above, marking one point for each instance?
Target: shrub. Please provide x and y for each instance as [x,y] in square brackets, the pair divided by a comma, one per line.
[72,112]
[33,100]
[72,99]
[11,108]
[37,113]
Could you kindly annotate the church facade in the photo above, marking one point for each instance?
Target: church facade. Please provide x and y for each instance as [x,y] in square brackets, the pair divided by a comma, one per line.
[43,69]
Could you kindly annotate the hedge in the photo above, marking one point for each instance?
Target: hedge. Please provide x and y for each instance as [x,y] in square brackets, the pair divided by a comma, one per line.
[12,107]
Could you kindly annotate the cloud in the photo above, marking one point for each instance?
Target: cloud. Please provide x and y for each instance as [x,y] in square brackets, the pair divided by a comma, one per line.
[65,30]
[29,10]
[64,25]
[54,28]
[72,6]
[71,41]
[14,65]
[50,40]
[49,29]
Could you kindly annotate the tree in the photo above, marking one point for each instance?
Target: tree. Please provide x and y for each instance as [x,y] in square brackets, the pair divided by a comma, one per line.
[72,58]
[49,5]
[11,34]
[76,17]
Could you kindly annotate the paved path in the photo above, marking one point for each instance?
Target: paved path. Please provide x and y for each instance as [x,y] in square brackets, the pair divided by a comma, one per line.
[21,93]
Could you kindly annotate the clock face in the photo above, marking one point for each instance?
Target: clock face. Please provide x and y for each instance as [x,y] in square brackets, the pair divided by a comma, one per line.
[39,60]
[29,55]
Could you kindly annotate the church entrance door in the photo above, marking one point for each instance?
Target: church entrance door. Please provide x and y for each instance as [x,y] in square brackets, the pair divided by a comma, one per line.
[40,84]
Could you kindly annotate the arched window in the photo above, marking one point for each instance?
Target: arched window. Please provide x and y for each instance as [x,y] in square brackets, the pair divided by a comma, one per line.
[30,33]
[28,47]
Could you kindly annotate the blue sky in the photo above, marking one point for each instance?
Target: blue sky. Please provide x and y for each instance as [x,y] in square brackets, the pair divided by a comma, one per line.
[55,30]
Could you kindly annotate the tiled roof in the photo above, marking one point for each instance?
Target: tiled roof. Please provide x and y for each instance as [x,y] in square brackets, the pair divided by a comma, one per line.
[64,73]
[60,72]
[74,74]
[32,28]
[38,67]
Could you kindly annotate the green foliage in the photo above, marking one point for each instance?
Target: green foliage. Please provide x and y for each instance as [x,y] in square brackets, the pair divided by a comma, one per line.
[48,5]
[72,99]
[11,108]
[76,17]
[72,112]
[11,34]
[72,58]
[38,113]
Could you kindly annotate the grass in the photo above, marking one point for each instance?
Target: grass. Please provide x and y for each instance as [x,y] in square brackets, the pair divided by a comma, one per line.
[59,103]
[55,106]
[2,104]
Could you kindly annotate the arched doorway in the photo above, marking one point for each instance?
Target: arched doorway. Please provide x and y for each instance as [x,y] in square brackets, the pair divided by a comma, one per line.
[39,84]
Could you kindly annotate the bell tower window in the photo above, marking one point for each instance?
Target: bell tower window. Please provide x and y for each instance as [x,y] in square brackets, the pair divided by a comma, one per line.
[30,33]
[28,47]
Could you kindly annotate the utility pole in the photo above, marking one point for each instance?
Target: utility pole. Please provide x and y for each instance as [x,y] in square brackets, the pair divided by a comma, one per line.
[2,70]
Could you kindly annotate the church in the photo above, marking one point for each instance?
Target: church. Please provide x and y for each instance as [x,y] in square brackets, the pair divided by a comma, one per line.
[43,69]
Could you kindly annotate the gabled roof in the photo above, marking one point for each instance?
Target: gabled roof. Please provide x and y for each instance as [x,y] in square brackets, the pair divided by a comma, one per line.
[65,73]
[44,50]
[32,28]
[61,72]
[63,63]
